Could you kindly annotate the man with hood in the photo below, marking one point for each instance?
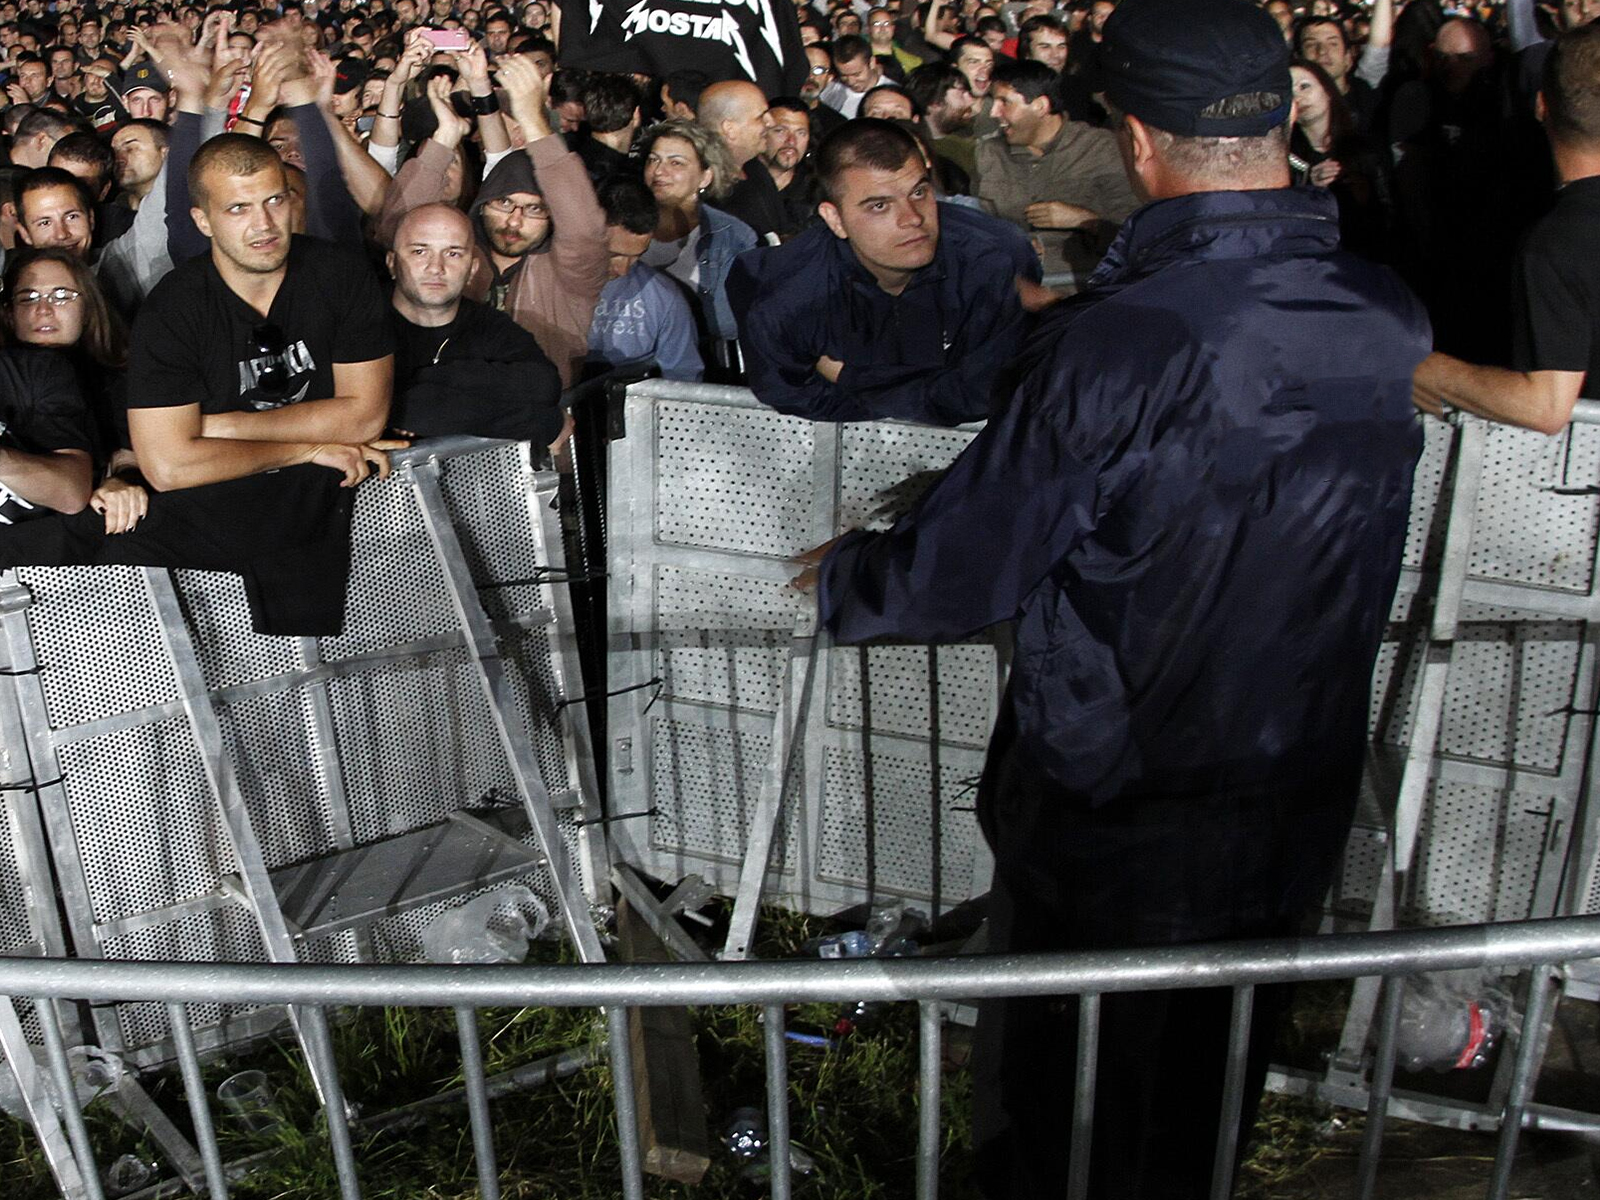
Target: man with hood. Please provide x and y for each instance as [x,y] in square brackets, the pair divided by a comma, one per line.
[540,233]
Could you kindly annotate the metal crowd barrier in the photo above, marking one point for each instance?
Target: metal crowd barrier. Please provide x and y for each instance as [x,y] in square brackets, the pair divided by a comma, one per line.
[176,786]
[616,989]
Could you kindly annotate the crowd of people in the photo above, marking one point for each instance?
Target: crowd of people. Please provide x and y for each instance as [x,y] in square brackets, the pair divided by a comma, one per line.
[1193,261]
[524,225]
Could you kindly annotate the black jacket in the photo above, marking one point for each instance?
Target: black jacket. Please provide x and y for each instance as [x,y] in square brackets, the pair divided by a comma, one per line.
[1193,508]
[930,354]
[482,374]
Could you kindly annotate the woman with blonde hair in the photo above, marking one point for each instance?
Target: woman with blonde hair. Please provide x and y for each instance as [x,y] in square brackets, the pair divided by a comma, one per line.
[695,243]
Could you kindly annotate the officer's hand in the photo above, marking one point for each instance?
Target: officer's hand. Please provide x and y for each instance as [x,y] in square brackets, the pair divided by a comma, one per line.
[829,368]
[811,564]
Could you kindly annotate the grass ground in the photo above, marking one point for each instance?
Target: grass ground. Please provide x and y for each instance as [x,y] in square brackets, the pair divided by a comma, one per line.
[852,1108]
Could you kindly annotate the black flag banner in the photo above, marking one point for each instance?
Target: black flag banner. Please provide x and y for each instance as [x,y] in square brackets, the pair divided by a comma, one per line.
[758,40]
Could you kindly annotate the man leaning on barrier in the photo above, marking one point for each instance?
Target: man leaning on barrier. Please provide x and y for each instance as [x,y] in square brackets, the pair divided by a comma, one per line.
[1193,507]
[260,376]
[898,306]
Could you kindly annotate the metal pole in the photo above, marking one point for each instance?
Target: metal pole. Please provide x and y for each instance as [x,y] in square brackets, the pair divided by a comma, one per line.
[1083,1095]
[1394,990]
[1244,998]
[194,1089]
[318,1044]
[477,1103]
[621,1048]
[928,1136]
[77,1131]
[777,1101]
[1521,1083]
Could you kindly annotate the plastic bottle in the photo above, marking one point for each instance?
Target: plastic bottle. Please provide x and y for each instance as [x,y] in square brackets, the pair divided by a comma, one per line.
[1450,1022]
[854,944]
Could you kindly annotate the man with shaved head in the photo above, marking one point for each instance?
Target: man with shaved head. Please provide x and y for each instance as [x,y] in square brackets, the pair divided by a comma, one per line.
[461,366]
[736,112]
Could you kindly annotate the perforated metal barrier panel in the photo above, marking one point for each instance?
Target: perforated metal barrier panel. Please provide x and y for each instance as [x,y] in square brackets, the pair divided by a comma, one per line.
[711,495]
[353,756]
[1517,720]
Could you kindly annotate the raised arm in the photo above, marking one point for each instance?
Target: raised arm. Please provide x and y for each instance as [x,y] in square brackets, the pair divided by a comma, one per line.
[930,27]
[424,178]
[578,237]
[474,68]
[331,211]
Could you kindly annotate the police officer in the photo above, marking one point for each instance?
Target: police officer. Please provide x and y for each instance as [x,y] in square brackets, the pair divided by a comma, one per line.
[1193,508]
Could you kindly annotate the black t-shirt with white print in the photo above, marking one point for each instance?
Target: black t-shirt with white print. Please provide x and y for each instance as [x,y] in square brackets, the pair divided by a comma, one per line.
[42,410]
[196,342]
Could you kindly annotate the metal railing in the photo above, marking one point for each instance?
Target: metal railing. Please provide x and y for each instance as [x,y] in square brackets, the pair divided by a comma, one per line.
[616,988]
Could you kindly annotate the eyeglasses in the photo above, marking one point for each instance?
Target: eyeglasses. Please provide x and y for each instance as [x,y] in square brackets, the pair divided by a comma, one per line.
[822,70]
[535,211]
[55,296]
[267,341]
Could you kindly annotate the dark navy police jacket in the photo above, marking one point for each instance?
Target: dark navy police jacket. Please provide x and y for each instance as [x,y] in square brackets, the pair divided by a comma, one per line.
[930,354]
[1193,506]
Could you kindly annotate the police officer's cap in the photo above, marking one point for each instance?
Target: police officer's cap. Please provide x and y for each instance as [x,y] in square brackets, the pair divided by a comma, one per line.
[1167,61]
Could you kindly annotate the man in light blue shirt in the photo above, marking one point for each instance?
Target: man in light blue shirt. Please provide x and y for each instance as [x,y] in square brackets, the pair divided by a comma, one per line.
[643,315]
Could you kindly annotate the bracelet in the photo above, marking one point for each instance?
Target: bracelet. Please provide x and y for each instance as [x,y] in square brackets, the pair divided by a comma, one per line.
[241,119]
[484,105]
[389,116]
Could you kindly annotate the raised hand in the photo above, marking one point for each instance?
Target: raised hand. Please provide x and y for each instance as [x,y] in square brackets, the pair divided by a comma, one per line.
[452,126]
[528,91]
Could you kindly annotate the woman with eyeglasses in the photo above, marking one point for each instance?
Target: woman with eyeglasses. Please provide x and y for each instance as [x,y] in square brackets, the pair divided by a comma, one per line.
[52,299]
[694,242]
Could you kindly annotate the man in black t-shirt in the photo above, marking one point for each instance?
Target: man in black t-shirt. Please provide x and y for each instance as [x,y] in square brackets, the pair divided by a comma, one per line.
[271,352]
[1556,329]
[258,383]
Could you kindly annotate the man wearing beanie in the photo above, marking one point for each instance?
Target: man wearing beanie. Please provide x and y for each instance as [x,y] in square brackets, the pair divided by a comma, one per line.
[1193,507]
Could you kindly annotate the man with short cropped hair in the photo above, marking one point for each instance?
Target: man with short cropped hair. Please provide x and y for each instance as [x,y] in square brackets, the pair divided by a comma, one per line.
[1191,510]
[858,73]
[896,306]
[36,135]
[1058,180]
[135,262]
[258,385]
[55,209]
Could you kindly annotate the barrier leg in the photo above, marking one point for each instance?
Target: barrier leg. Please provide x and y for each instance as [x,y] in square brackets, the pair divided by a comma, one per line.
[929,1054]
[491,669]
[205,1133]
[477,1103]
